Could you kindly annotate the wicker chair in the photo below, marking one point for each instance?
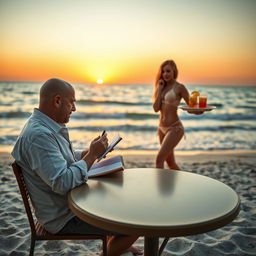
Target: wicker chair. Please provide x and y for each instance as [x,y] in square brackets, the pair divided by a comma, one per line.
[37,230]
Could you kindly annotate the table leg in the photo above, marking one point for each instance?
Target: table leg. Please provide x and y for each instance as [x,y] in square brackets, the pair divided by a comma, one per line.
[151,246]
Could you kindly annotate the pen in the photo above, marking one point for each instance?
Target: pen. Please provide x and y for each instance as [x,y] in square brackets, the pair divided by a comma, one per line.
[103,133]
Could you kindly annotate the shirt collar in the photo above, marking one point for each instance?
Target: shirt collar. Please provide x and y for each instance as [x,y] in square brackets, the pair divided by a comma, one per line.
[48,121]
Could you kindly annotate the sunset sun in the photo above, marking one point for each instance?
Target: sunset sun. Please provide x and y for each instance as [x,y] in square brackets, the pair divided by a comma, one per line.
[100,81]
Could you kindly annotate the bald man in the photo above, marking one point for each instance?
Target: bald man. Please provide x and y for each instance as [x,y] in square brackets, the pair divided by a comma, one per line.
[51,167]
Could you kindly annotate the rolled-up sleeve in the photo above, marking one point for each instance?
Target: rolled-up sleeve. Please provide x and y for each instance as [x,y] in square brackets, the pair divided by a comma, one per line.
[47,161]
[83,168]
[78,154]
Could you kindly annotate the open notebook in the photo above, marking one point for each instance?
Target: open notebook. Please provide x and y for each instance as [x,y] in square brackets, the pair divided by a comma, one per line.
[104,167]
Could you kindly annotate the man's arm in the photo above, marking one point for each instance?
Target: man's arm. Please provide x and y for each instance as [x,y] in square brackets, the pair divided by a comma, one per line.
[47,160]
[80,154]
[56,166]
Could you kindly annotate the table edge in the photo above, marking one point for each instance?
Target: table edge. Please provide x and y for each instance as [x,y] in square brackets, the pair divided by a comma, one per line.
[158,231]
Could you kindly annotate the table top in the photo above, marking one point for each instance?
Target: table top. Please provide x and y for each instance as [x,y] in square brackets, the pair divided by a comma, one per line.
[155,202]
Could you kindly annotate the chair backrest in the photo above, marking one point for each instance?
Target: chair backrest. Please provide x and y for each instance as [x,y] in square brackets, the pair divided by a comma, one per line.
[25,195]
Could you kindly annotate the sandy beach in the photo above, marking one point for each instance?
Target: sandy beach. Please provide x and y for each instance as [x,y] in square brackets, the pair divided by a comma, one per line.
[234,168]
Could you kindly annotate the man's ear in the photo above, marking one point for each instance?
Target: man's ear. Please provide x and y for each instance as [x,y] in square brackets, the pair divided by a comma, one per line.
[57,101]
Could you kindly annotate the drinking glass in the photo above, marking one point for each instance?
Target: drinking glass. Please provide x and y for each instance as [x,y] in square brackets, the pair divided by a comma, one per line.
[202,101]
[192,101]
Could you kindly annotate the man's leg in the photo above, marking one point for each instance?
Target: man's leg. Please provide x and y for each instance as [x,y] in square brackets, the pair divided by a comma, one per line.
[117,243]
[120,244]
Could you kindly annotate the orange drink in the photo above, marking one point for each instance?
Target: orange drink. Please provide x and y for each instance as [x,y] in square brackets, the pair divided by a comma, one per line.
[192,101]
[196,93]
[202,101]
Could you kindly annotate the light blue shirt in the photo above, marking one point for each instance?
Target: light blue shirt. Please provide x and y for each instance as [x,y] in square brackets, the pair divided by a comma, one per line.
[50,168]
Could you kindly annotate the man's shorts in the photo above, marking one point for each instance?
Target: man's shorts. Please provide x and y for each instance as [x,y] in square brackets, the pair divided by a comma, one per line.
[79,227]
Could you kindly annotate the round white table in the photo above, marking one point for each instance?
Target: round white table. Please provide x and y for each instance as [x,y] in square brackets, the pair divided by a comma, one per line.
[155,203]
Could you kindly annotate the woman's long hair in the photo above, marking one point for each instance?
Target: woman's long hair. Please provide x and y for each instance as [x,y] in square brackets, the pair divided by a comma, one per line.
[159,75]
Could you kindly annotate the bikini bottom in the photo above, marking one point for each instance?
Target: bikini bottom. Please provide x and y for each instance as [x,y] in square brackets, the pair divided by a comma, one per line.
[176,127]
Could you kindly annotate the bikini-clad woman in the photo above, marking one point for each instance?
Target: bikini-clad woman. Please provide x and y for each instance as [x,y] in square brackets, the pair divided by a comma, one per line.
[167,96]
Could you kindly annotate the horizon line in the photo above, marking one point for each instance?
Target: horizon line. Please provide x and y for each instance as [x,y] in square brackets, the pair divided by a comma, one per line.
[148,84]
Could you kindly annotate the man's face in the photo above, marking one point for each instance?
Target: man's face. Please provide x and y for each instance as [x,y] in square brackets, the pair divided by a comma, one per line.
[67,106]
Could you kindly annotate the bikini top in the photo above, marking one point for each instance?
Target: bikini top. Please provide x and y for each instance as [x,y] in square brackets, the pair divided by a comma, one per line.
[171,98]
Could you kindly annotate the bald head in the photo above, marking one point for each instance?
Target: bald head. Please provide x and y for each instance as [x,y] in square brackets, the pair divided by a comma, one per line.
[57,99]
[53,87]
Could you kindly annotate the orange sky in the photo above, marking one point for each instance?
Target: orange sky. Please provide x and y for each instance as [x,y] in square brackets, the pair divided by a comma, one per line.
[212,42]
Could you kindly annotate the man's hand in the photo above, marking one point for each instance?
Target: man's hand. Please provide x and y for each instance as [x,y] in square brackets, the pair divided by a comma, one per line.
[84,153]
[97,147]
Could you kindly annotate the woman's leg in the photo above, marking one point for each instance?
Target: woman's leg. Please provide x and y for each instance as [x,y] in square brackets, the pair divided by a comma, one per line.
[171,158]
[166,152]
[159,159]
[171,161]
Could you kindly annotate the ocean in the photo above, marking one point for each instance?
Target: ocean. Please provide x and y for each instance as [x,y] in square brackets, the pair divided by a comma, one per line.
[127,110]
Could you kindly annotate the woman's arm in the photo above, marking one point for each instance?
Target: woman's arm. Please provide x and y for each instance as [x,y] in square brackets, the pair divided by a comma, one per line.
[158,100]
[184,94]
